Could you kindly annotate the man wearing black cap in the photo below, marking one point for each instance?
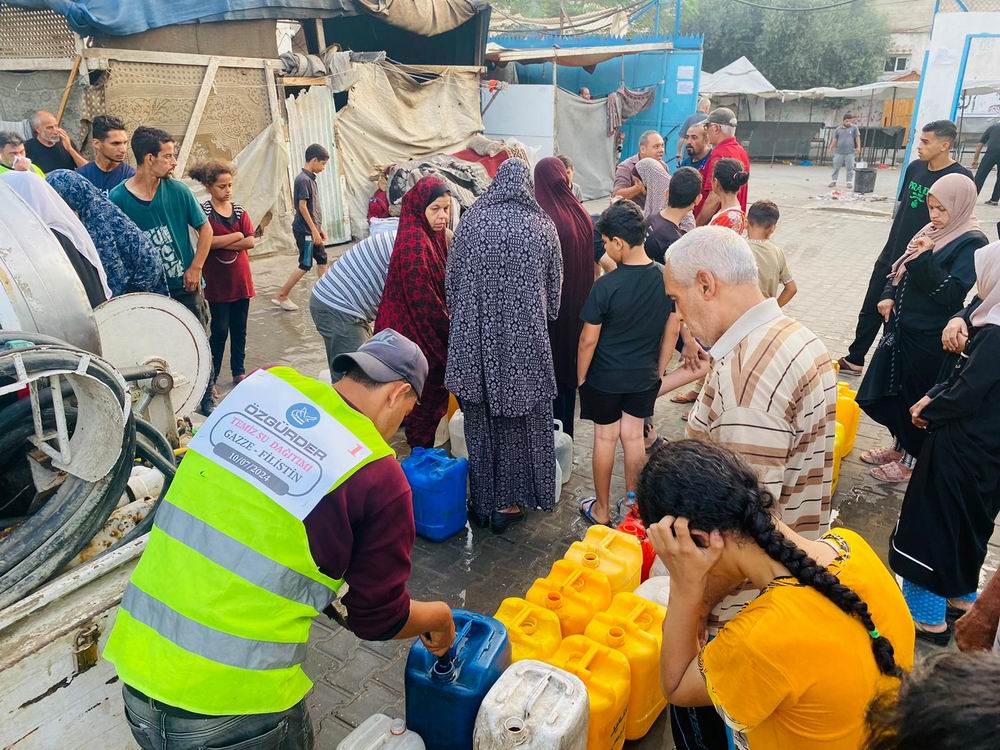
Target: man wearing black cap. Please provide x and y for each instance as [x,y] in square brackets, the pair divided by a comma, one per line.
[721,130]
[288,491]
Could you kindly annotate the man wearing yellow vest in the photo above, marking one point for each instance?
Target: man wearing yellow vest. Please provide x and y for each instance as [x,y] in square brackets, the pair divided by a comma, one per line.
[288,491]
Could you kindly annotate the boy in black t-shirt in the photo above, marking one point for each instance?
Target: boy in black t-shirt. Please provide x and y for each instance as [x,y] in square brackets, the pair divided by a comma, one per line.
[623,352]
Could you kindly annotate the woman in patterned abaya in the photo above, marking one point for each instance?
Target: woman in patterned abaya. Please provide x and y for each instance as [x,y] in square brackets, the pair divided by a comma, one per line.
[413,301]
[130,260]
[927,286]
[503,284]
[576,238]
[953,498]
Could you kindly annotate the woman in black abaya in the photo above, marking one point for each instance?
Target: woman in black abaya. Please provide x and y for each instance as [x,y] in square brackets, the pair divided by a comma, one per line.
[954,495]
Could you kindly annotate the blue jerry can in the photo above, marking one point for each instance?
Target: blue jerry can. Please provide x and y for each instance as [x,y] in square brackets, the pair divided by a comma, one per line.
[443,695]
[439,486]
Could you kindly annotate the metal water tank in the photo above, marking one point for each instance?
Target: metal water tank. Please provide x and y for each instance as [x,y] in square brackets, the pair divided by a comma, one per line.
[39,290]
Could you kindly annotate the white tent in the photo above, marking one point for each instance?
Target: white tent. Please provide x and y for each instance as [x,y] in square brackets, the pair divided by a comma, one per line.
[738,78]
[865,91]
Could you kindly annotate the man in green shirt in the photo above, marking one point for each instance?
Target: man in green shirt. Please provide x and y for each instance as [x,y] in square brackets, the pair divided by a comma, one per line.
[164,208]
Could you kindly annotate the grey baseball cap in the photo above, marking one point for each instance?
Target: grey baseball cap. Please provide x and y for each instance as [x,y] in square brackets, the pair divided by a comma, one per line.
[388,356]
[722,116]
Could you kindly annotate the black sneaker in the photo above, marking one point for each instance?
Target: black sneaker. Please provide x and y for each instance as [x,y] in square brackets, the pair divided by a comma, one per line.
[938,639]
[208,405]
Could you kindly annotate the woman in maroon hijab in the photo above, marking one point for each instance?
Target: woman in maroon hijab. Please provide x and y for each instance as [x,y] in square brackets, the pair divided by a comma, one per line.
[413,301]
[576,238]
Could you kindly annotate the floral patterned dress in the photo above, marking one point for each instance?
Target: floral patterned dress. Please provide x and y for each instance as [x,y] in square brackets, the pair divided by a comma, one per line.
[503,282]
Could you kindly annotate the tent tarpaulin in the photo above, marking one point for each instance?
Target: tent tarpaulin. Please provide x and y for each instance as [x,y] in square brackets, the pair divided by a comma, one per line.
[262,189]
[576,57]
[582,135]
[741,78]
[118,18]
[392,117]
[737,78]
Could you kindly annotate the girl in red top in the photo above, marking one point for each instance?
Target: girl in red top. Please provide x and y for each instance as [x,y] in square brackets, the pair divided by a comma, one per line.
[727,180]
[228,283]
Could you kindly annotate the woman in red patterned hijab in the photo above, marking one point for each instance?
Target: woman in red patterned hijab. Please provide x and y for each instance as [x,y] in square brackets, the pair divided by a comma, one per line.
[413,301]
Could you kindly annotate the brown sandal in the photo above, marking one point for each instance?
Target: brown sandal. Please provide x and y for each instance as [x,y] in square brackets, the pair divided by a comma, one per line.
[880,456]
[686,398]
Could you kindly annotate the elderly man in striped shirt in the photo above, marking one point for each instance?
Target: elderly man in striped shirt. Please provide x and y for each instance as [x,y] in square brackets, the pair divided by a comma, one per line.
[770,394]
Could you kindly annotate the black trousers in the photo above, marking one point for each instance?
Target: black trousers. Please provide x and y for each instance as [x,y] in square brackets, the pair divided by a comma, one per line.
[195,302]
[564,407]
[229,320]
[698,728]
[990,160]
[869,320]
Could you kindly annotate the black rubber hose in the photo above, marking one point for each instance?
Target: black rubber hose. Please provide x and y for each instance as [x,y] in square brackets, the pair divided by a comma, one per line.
[38,548]
[43,523]
[54,358]
[157,440]
[53,552]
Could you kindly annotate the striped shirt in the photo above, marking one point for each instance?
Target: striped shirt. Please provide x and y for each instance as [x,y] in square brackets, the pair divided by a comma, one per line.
[771,397]
[354,284]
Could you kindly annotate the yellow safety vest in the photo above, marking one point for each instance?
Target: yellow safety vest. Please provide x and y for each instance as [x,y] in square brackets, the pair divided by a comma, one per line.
[216,616]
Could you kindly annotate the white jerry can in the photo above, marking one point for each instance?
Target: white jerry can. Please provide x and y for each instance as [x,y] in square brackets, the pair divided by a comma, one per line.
[456,432]
[564,451]
[379,732]
[533,706]
[655,589]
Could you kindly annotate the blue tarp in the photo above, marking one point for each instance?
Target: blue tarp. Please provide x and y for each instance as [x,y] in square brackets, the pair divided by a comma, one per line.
[674,73]
[120,17]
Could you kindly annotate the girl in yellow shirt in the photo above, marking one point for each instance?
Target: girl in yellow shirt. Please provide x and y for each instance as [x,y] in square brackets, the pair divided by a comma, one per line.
[796,668]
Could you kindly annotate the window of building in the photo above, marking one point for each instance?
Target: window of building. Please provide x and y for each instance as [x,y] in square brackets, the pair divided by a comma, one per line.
[896,64]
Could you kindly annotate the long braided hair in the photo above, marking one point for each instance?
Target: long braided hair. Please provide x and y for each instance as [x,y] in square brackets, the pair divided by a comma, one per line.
[714,489]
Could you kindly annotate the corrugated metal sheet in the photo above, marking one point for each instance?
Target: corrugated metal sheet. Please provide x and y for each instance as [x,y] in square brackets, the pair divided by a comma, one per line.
[310,120]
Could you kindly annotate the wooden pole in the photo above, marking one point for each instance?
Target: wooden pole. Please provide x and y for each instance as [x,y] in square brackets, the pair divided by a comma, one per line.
[199,108]
[69,87]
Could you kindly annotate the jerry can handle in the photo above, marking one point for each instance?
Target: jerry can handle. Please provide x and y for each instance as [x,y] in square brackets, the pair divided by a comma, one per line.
[559,424]
[532,698]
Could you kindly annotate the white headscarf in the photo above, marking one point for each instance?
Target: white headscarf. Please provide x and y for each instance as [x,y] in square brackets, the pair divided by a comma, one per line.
[57,216]
[988,286]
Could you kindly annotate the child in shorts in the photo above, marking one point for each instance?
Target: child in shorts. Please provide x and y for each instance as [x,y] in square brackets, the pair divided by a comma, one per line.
[624,350]
[310,239]
[772,268]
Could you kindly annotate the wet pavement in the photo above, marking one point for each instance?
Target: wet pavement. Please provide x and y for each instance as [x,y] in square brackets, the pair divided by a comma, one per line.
[830,246]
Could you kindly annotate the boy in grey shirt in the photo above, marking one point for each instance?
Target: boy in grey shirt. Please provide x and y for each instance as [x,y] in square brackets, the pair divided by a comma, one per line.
[845,146]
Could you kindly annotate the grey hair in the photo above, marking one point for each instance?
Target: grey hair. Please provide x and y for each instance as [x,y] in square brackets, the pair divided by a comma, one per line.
[704,103]
[36,120]
[727,130]
[644,138]
[10,139]
[717,250]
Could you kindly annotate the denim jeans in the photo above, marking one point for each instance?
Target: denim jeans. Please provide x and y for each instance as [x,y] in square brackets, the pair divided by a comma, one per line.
[843,160]
[156,729]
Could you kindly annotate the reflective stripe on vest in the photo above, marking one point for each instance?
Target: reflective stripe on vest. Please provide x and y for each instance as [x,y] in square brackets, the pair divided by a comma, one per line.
[217,613]
[205,641]
[242,560]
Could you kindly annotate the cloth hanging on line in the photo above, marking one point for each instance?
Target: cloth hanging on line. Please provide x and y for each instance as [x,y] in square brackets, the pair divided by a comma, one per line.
[625,103]
[581,135]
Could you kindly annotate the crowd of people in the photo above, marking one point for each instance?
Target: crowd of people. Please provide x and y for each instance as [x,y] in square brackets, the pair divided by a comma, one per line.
[526,301]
